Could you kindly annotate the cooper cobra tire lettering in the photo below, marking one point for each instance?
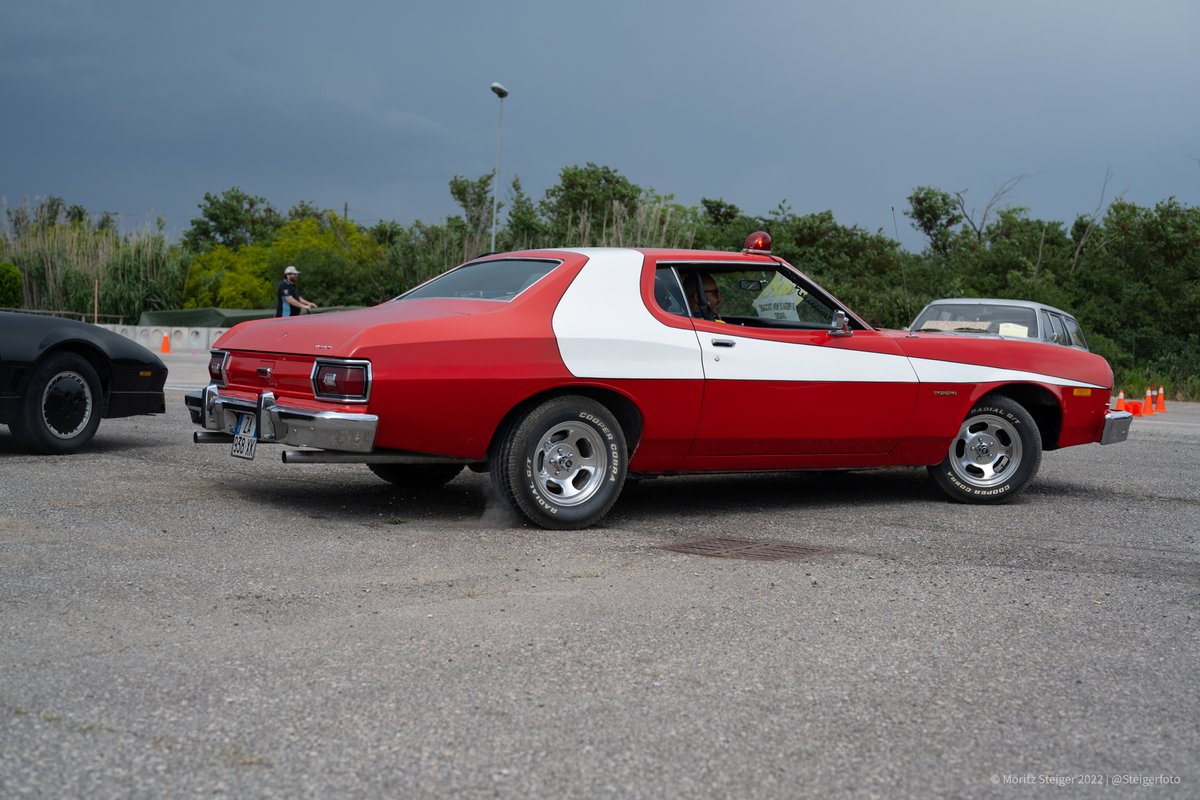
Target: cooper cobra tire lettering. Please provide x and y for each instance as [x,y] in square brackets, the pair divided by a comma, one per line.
[562,464]
[994,455]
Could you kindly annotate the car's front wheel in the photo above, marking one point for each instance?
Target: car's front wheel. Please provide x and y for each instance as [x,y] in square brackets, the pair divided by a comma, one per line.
[61,406]
[994,455]
[563,464]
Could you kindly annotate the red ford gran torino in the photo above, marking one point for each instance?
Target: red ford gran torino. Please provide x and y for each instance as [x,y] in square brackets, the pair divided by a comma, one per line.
[561,372]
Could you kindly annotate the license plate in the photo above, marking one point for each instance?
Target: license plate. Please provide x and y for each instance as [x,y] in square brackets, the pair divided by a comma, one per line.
[244,437]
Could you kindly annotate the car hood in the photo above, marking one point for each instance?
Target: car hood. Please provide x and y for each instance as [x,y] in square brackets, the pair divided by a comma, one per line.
[341,333]
[25,337]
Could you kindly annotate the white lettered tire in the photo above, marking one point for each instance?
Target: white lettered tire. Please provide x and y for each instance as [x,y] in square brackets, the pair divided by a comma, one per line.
[563,464]
[994,455]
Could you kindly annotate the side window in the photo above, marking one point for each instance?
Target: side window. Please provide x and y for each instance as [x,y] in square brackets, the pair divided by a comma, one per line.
[1047,327]
[1058,334]
[668,293]
[1076,333]
[762,297]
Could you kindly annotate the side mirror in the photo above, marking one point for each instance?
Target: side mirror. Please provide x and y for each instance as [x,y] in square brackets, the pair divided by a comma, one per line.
[840,325]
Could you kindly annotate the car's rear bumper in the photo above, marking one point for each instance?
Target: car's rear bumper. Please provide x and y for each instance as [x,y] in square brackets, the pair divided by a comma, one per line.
[299,427]
[1116,427]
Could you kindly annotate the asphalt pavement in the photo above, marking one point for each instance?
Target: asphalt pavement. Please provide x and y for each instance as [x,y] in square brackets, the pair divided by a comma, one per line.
[178,623]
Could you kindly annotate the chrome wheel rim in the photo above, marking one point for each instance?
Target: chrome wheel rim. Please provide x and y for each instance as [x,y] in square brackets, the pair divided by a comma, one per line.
[986,451]
[66,404]
[569,466]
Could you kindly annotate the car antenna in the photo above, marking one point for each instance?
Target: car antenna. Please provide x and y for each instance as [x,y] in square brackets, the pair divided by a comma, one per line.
[903,277]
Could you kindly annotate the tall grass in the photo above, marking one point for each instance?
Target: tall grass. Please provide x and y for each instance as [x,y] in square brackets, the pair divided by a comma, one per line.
[653,223]
[66,266]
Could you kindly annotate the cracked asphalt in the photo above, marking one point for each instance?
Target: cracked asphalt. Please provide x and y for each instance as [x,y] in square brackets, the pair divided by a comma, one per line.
[177,623]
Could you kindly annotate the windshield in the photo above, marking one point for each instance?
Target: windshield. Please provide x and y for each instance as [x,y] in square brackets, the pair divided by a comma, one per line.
[501,279]
[1018,321]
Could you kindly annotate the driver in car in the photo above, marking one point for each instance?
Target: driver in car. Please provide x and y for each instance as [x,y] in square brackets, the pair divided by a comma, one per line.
[704,296]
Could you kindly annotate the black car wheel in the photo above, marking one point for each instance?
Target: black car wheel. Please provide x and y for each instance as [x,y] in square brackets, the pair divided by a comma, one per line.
[995,453]
[416,476]
[61,406]
[563,464]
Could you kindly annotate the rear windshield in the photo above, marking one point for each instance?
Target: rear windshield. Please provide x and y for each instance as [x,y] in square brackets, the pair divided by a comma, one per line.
[979,318]
[501,279]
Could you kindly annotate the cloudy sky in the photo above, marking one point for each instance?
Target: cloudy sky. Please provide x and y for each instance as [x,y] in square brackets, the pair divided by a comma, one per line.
[140,107]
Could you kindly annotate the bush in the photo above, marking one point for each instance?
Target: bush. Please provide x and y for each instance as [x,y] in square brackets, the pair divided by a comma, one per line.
[11,295]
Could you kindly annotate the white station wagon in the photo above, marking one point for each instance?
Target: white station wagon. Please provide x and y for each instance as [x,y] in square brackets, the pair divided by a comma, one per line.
[1020,319]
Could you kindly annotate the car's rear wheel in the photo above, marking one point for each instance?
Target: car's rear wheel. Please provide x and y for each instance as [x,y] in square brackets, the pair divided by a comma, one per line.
[995,453]
[416,476]
[61,407]
[562,465]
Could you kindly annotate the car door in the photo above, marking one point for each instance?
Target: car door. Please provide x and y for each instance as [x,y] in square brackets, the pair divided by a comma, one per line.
[778,382]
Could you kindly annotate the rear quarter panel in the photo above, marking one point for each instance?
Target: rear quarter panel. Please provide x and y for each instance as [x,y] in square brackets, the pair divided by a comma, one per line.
[444,385]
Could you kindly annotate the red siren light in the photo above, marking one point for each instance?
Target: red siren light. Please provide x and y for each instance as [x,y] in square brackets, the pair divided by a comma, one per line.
[758,242]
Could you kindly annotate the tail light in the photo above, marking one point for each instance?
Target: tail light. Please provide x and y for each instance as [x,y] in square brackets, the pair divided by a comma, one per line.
[218,367]
[342,381]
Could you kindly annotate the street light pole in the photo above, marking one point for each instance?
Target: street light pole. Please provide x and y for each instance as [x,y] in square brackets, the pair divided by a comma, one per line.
[502,93]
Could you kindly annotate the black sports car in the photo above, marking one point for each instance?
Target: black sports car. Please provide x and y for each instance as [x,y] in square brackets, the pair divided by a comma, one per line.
[59,377]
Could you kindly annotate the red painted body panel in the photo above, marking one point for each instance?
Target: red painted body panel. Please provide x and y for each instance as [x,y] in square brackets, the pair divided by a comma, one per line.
[804,417]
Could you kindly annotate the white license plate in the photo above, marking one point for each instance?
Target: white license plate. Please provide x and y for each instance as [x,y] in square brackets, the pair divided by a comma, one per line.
[244,437]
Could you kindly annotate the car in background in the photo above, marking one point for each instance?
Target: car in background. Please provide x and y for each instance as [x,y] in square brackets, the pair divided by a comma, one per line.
[60,377]
[563,371]
[1021,319]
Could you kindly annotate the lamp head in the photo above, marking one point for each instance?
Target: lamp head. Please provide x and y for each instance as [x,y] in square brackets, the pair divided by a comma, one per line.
[499,91]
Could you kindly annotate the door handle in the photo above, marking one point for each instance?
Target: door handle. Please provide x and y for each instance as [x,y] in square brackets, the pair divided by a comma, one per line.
[723,342]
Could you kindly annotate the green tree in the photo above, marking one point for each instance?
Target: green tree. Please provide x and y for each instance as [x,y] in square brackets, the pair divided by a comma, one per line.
[524,228]
[304,210]
[340,263]
[233,219]
[475,199]
[78,215]
[586,201]
[934,213]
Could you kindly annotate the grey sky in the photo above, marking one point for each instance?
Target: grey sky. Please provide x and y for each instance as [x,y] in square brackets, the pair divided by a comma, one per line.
[142,107]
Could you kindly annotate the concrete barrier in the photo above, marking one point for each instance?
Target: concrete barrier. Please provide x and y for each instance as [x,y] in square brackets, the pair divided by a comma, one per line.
[183,340]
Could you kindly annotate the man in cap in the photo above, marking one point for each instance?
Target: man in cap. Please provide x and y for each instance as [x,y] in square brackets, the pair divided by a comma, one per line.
[288,302]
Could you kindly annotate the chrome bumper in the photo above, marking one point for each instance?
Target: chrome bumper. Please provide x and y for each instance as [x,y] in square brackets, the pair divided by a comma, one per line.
[1116,427]
[299,427]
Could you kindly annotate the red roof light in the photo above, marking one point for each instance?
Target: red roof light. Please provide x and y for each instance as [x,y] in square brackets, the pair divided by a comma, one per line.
[758,242]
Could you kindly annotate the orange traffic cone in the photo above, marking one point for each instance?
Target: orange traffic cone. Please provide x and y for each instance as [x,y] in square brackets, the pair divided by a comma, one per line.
[1148,403]
[1120,401]
[1161,406]
[1134,407]
[166,345]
